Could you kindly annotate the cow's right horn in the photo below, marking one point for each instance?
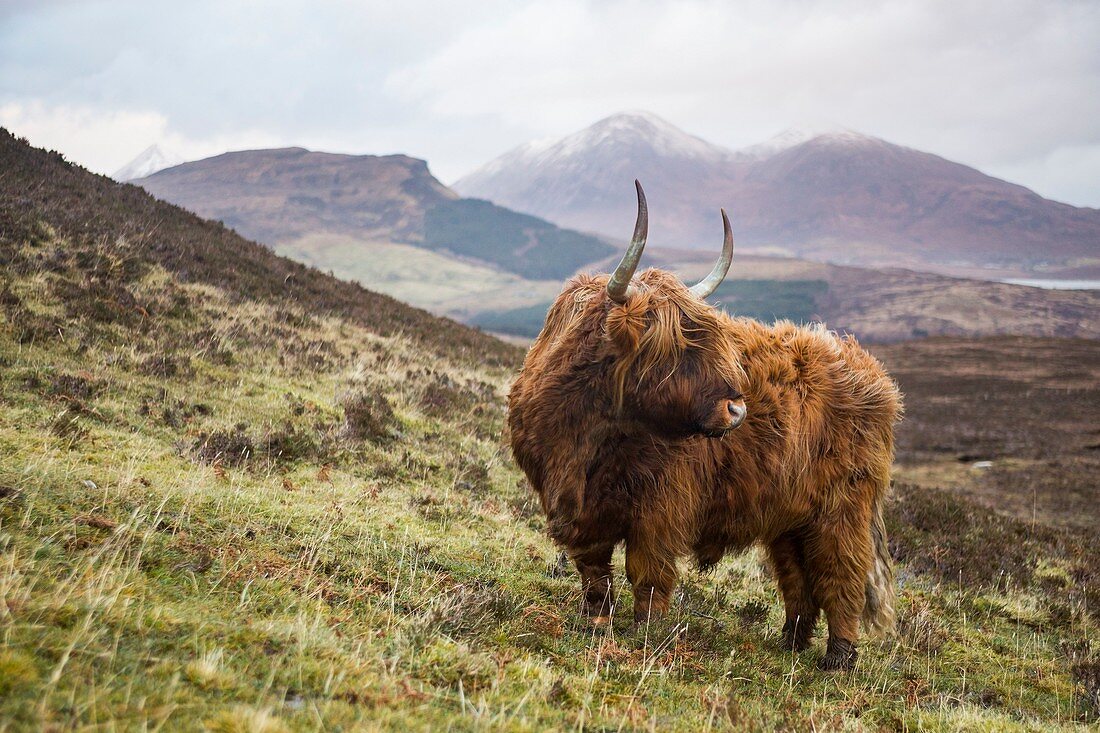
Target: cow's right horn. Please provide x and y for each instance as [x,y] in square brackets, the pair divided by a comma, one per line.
[619,287]
[710,283]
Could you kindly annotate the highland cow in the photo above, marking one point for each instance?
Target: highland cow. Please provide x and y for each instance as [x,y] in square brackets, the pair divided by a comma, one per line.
[645,416]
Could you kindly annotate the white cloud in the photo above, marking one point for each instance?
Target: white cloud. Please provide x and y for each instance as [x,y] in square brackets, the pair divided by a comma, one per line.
[991,84]
[104,141]
[1001,85]
[1069,174]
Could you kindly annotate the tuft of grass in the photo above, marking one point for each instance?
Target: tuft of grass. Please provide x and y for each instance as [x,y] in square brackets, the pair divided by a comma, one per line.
[368,415]
[19,673]
[206,669]
[243,719]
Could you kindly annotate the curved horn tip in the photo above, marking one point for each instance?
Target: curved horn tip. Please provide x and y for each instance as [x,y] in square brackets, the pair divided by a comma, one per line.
[618,285]
[641,226]
[705,287]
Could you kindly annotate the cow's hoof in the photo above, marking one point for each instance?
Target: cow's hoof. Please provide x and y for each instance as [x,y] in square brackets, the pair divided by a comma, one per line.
[597,610]
[840,656]
[599,620]
[793,643]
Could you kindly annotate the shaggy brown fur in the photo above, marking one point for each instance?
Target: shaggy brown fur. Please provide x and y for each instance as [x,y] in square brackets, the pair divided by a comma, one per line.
[610,419]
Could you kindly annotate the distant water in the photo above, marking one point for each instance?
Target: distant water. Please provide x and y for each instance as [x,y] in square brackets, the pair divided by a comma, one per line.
[1055,284]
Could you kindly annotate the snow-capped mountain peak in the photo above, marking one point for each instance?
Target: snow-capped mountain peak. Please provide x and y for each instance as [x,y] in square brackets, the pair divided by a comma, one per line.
[636,129]
[147,162]
[820,191]
[625,133]
[639,141]
[795,136]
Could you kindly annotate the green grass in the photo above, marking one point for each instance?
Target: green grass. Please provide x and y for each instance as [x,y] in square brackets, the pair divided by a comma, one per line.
[248,516]
[428,279]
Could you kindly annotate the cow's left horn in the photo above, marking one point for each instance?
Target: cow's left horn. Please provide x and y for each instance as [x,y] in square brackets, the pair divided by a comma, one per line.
[619,287]
[710,283]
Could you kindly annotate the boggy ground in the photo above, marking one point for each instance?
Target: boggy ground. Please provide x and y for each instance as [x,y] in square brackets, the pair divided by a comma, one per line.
[245,515]
[1013,423]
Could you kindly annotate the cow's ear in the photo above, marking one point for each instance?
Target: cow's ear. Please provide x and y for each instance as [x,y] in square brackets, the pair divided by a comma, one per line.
[627,322]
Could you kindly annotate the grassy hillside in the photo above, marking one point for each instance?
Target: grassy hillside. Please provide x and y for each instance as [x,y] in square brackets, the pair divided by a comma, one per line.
[436,280]
[222,507]
[39,188]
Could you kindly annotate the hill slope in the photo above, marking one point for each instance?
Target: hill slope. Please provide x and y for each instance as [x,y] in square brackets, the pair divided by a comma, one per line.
[39,189]
[838,196]
[281,197]
[226,505]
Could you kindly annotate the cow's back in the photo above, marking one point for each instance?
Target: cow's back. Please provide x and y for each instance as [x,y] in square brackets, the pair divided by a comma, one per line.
[821,415]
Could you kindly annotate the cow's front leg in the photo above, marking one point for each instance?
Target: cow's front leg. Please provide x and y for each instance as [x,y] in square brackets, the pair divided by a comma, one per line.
[789,560]
[594,565]
[652,574]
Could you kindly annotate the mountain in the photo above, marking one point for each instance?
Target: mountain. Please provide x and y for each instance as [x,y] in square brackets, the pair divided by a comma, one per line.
[583,180]
[837,195]
[283,197]
[851,198]
[147,162]
[387,223]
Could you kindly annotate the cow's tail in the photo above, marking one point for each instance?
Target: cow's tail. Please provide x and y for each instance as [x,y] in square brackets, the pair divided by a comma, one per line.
[878,610]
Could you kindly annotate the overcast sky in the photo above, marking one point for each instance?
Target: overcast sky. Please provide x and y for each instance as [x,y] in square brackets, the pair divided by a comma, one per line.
[1011,87]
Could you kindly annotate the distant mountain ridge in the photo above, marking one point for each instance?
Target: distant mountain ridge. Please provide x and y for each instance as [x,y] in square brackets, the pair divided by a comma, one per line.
[836,195]
[388,223]
[276,194]
[279,196]
[584,179]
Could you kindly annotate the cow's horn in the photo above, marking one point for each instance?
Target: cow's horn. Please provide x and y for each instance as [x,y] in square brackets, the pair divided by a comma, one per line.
[710,283]
[619,287]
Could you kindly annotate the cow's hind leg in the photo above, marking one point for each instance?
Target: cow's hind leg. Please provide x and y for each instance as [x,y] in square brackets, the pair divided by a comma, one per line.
[838,553]
[594,566]
[652,573]
[788,559]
